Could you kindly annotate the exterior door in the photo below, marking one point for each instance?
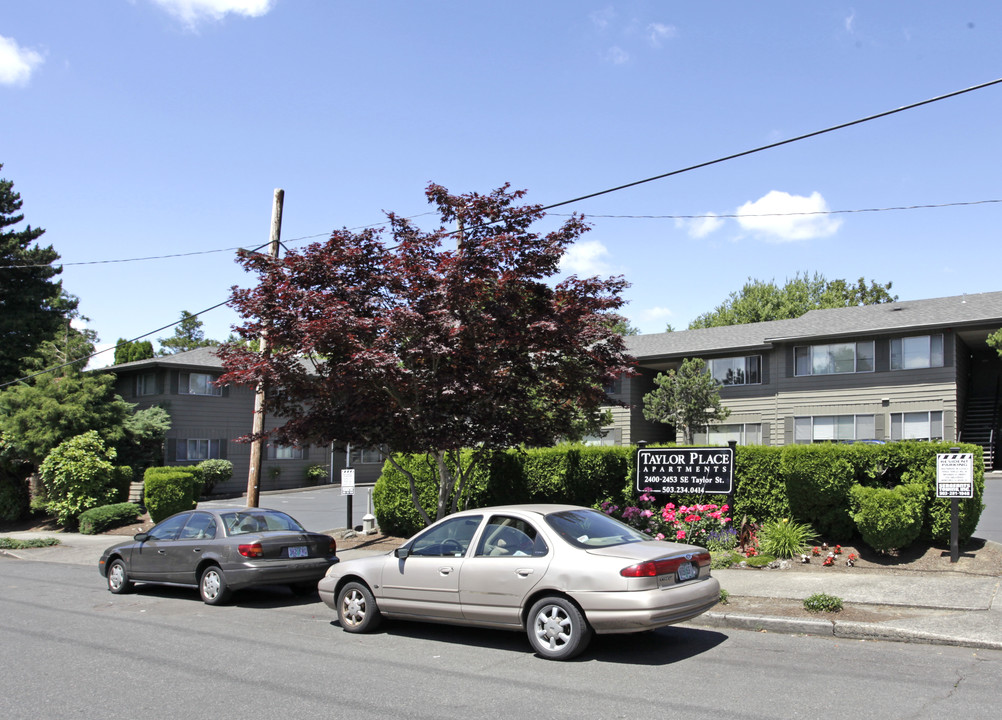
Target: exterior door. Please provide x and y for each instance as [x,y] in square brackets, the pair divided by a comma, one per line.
[150,561]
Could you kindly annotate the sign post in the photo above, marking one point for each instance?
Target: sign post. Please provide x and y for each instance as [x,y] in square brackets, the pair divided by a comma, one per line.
[685,470]
[348,488]
[955,480]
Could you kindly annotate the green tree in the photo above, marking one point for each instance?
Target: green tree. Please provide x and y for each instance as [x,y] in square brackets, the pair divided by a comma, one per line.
[131,351]
[69,348]
[30,310]
[687,398]
[143,443]
[995,341]
[760,301]
[188,335]
[36,418]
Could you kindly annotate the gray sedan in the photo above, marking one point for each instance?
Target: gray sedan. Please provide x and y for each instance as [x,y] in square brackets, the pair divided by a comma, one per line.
[221,550]
[558,572]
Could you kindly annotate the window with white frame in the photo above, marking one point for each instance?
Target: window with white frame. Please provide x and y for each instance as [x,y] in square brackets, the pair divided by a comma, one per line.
[921,351]
[833,358]
[917,425]
[741,433]
[201,384]
[833,428]
[284,452]
[736,370]
[198,449]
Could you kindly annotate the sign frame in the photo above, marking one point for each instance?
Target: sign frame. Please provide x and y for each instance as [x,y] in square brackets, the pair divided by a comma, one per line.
[348,481]
[686,470]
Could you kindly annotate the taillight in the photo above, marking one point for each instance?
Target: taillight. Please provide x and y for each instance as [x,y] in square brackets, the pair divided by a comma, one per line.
[251,550]
[668,566]
[333,547]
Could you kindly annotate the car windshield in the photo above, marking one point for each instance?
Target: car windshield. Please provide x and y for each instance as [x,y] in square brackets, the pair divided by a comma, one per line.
[590,528]
[255,521]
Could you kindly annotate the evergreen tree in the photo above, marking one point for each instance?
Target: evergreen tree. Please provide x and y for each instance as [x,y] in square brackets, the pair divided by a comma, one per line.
[687,398]
[128,351]
[31,310]
[188,335]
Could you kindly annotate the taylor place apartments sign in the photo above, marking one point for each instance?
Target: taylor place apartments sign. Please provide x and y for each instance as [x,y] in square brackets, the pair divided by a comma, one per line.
[685,471]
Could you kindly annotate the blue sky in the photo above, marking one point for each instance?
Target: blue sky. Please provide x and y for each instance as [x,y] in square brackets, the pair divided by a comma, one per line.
[137,128]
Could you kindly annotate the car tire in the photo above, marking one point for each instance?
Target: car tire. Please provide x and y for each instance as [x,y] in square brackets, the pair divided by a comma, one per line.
[557,630]
[118,577]
[356,609]
[212,586]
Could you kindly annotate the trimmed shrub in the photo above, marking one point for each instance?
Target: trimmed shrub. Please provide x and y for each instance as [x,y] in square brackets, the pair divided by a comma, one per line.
[214,472]
[169,490]
[79,475]
[99,519]
[888,519]
[818,479]
[760,489]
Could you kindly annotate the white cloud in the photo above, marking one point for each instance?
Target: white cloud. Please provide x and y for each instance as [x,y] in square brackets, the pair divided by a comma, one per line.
[850,22]
[782,217]
[616,55]
[17,63]
[601,18]
[585,258]
[701,227]
[656,32]
[191,12]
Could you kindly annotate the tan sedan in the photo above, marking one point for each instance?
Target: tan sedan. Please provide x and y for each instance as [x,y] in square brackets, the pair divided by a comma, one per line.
[559,572]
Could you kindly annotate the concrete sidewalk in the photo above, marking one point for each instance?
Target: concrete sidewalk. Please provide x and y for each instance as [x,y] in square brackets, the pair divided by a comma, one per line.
[941,608]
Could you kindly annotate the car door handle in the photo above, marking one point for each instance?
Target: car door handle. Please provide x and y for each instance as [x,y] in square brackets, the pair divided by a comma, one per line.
[523,572]
[161,552]
[445,570]
[197,550]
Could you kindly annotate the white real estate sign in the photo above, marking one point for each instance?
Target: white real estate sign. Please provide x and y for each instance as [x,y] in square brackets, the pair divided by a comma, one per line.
[348,481]
[955,475]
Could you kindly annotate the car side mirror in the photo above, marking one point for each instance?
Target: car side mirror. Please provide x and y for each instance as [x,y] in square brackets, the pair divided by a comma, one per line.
[141,537]
[401,552]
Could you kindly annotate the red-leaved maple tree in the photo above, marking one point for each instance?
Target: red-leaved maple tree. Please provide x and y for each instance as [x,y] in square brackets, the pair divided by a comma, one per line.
[431,342]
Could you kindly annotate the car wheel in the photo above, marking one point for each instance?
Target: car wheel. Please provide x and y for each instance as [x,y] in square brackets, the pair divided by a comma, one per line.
[356,608]
[118,577]
[557,630]
[212,586]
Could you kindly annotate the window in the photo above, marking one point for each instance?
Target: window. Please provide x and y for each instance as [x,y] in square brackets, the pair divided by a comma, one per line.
[834,358]
[737,370]
[917,425]
[741,433]
[201,384]
[201,526]
[833,428]
[922,351]
[146,384]
[507,536]
[169,528]
[366,456]
[450,538]
[198,449]
[284,452]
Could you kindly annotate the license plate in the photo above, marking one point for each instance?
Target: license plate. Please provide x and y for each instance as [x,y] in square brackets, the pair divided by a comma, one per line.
[299,551]
[687,571]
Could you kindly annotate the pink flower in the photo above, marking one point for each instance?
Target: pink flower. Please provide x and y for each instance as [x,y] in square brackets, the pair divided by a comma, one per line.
[646,513]
[659,536]
[680,535]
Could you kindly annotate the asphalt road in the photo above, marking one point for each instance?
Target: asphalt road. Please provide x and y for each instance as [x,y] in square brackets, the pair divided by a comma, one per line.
[70,649]
[319,509]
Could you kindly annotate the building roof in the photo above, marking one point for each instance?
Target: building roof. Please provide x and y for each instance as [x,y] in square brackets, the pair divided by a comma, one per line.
[898,317]
[199,358]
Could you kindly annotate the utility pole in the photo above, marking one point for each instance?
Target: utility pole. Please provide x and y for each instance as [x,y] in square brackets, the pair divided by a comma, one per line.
[254,475]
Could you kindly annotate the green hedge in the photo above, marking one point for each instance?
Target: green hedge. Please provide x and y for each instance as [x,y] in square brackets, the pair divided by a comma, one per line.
[888,518]
[808,483]
[99,519]
[169,490]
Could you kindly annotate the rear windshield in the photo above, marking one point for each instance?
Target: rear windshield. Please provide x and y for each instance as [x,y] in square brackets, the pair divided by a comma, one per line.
[255,521]
[590,528]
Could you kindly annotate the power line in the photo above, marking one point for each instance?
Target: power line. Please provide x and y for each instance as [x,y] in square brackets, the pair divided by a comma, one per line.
[787,214]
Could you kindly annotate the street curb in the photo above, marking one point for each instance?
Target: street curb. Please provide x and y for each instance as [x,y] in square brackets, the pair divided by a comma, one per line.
[843,629]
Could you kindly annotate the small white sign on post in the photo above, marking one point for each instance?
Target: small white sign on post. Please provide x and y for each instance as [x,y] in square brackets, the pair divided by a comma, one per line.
[955,475]
[348,481]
